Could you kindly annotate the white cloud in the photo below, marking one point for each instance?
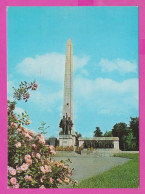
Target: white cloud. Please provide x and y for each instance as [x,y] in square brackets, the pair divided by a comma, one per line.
[107,96]
[49,66]
[87,86]
[80,62]
[120,65]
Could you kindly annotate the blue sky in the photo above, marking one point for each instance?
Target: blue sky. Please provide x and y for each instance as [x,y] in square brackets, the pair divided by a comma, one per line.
[105,49]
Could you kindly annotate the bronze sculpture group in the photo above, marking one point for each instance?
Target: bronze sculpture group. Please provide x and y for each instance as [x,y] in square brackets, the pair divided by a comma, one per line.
[66,125]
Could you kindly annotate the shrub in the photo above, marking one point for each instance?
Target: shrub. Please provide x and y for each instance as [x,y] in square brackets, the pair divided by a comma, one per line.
[71,148]
[30,162]
[61,148]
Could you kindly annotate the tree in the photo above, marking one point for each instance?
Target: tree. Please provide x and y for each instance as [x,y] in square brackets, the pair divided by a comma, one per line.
[108,134]
[134,126]
[78,134]
[130,140]
[98,132]
[77,137]
[120,130]
[43,128]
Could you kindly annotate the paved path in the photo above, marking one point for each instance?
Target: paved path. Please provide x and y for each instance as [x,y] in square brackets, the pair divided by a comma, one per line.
[88,166]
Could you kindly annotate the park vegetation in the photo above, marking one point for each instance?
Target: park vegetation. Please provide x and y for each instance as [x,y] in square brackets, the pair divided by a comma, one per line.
[128,134]
[30,160]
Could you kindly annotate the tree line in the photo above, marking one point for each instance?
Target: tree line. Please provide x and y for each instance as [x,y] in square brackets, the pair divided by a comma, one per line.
[128,134]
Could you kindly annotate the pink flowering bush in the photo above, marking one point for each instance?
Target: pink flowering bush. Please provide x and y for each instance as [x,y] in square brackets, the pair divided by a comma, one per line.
[30,162]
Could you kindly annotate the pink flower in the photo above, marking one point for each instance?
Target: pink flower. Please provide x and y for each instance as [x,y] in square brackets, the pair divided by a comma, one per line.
[42,169]
[42,187]
[27,95]
[35,85]
[29,161]
[36,160]
[48,168]
[13,125]
[18,169]
[13,181]
[24,166]
[25,129]
[34,145]
[28,178]
[51,180]
[27,136]
[12,171]
[18,144]
[60,181]
[32,133]
[57,164]
[41,141]
[51,147]
[27,157]
[38,155]
[52,152]
[19,130]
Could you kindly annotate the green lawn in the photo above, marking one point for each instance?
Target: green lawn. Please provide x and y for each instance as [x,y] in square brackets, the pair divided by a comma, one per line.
[124,176]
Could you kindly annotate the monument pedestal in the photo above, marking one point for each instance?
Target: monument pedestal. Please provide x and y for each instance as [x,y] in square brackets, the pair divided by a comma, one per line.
[67,140]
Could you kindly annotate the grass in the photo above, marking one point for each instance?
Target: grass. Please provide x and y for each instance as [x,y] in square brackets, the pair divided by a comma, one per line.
[123,176]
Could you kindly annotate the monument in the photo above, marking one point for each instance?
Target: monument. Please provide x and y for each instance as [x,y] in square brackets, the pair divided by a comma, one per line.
[67,136]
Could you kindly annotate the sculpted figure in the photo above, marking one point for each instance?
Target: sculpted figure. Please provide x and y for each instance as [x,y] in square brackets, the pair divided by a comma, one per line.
[69,125]
[66,125]
[63,124]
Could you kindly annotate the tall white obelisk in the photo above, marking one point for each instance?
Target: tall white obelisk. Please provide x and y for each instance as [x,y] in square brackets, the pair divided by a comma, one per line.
[70,138]
[68,82]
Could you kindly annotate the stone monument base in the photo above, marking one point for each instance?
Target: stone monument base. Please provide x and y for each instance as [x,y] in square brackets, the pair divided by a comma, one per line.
[67,140]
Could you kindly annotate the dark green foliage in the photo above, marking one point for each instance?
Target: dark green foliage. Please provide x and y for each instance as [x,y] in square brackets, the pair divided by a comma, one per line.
[120,130]
[108,134]
[134,126]
[98,132]
[128,136]
[77,137]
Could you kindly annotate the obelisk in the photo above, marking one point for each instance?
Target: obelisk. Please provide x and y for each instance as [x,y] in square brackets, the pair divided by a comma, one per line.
[68,138]
[68,82]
